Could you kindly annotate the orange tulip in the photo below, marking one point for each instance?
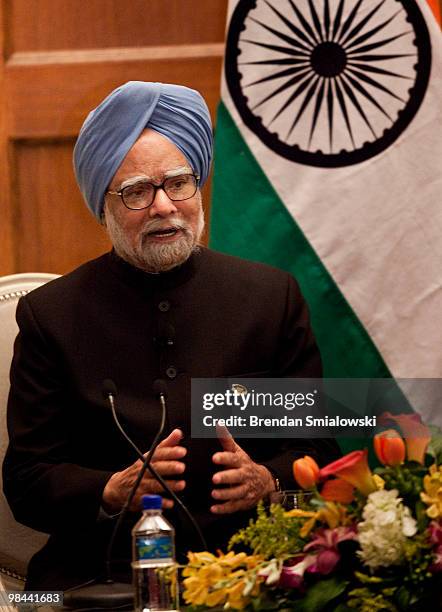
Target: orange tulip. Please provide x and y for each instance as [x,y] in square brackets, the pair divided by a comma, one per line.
[306,472]
[352,468]
[338,490]
[314,466]
[389,447]
[417,435]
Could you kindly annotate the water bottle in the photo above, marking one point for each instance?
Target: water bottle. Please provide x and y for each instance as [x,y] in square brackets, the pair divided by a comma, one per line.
[153,560]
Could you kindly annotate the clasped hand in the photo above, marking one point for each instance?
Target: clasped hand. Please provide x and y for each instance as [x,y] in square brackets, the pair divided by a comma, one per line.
[167,461]
[247,482]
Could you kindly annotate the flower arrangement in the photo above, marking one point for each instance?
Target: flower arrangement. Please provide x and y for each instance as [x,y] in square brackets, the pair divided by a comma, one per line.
[366,540]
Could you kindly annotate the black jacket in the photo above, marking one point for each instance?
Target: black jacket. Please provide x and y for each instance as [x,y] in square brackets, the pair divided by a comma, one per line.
[225,316]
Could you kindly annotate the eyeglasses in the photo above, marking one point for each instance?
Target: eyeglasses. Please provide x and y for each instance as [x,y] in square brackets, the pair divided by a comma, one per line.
[142,194]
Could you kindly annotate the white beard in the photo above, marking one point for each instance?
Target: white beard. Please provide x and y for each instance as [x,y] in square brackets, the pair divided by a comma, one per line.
[151,256]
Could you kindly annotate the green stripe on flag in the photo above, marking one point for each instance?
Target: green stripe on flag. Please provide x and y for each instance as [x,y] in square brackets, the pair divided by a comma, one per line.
[248,219]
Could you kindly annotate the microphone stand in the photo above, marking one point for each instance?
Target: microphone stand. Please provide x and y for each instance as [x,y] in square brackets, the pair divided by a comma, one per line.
[107,594]
[146,463]
[160,389]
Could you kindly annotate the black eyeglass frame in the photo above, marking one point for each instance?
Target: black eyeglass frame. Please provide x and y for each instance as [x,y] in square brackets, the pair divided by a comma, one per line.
[156,187]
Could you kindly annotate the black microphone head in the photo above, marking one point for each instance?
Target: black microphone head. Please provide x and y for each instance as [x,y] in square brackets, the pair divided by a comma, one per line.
[159,387]
[108,388]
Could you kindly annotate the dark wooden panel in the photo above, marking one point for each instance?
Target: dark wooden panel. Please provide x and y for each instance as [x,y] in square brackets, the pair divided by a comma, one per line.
[36,25]
[62,95]
[54,229]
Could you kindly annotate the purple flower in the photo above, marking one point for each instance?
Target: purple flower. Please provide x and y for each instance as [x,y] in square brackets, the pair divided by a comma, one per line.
[435,531]
[292,576]
[326,561]
[325,545]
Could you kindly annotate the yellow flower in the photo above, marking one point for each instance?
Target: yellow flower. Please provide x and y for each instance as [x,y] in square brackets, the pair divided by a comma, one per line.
[212,573]
[433,492]
[195,592]
[216,597]
[297,512]
[308,525]
[216,580]
[232,559]
[236,600]
[331,513]
[379,482]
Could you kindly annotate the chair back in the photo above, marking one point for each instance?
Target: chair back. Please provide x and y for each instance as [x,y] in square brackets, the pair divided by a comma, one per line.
[17,542]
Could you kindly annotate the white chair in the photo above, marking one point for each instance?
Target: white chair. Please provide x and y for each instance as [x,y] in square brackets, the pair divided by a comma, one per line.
[17,542]
[5,605]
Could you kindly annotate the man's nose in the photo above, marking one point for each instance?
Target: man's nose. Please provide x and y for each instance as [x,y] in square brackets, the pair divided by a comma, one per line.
[162,205]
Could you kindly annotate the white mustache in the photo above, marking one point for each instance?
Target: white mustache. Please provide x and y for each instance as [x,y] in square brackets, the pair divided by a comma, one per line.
[159,224]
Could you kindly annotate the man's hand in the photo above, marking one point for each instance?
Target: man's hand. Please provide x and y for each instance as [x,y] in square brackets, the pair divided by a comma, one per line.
[248,482]
[166,460]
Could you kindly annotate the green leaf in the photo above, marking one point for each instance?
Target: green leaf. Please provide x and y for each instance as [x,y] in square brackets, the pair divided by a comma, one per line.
[421,516]
[402,598]
[321,594]
[342,607]
[435,446]
[260,603]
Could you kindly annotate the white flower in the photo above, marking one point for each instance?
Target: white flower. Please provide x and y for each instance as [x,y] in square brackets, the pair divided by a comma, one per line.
[408,524]
[383,532]
[272,571]
[300,567]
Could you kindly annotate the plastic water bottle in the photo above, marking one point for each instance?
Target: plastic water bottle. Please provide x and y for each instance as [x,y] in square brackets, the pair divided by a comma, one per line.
[153,560]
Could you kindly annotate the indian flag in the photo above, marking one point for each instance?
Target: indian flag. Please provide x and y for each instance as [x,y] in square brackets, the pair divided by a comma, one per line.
[328,157]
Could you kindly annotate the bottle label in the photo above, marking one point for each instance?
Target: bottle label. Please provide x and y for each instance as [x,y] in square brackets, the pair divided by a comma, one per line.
[159,547]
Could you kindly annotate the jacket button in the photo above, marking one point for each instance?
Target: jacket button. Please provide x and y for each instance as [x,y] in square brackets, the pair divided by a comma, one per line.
[164,306]
[171,372]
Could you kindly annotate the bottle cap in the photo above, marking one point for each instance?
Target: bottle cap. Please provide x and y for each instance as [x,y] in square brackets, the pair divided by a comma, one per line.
[151,502]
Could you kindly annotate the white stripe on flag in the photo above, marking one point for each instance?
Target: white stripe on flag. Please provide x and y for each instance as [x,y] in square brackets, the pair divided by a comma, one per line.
[377,226]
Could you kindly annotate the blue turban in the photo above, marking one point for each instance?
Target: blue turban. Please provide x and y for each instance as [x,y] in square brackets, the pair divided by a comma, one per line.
[110,130]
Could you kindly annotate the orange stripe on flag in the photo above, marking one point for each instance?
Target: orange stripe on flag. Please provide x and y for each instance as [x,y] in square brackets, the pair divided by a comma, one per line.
[437,10]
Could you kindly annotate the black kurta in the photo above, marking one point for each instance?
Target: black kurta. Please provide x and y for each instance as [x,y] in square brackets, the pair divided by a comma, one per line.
[226,317]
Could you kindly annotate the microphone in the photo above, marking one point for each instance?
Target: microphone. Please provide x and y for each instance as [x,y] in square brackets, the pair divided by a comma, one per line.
[159,387]
[109,389]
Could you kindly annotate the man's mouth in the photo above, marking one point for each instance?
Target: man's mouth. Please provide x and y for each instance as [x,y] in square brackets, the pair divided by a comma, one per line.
[165,232]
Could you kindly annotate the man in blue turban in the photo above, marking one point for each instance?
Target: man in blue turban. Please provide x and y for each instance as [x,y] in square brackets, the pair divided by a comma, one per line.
[132,121]
[159,305]
[178,113]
